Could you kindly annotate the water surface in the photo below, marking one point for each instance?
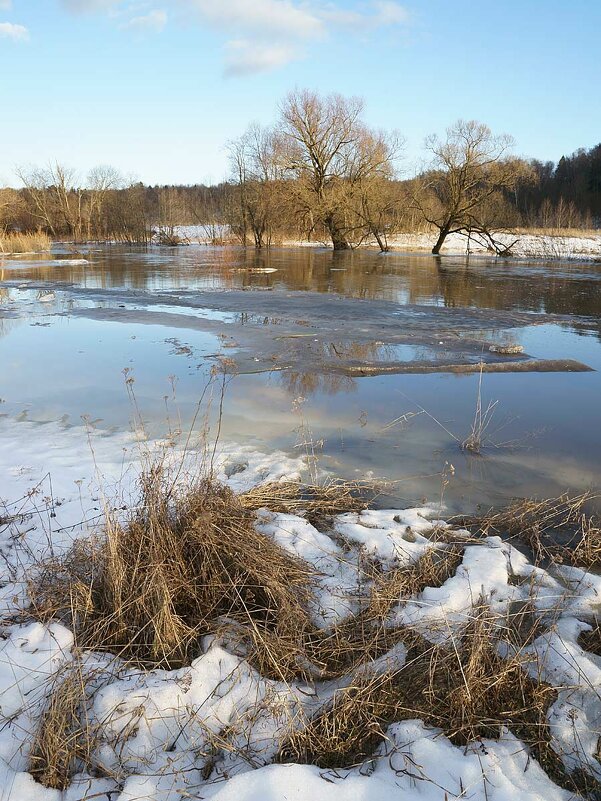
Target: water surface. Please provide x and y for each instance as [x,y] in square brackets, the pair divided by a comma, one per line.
[285,327]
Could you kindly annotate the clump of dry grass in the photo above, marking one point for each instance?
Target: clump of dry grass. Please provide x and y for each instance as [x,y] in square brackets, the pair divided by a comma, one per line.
[63,742]
[180,568]
[556,530]
[351,728]
[15,242]
[168,236]
[318,502]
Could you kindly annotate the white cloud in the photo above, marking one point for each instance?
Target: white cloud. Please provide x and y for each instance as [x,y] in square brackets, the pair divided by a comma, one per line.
[89,5]
[153,22]
[268,34]
[245,57]
[18,33]
[262,17]
[387,12]
[259,35]
[379,14]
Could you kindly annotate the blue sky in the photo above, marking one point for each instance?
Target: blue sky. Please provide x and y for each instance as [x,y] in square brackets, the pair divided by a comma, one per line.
[156,87]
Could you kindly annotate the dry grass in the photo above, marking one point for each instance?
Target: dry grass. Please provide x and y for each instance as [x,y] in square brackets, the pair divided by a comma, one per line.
[63,742]
[190,564]
[186,566]
[579,233]
[465,688]
[318,502]
[167,236]
[179,569]
[556,530]
[475,440]
[182,567]
[12,242]
[365,637]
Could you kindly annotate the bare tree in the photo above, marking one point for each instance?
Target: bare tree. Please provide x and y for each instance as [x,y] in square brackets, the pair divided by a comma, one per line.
[470,170]
[257,175]
[330,154]
[381,210]
[11,207]
[56,200]
[102,180]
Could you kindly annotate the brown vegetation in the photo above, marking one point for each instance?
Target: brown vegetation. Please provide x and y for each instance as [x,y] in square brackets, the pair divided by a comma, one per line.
[556,529]
[14,242]
[464,688]
[64,740]
[179,569]
[192,563]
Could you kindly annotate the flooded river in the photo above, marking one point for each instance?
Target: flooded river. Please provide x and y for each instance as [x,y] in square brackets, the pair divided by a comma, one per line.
[374,359]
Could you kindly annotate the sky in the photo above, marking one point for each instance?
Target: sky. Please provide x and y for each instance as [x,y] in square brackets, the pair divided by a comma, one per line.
[157,87]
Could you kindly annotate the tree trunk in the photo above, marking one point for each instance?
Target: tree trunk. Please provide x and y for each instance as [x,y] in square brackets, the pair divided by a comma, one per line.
[339,240]
[382,244]
[444,232]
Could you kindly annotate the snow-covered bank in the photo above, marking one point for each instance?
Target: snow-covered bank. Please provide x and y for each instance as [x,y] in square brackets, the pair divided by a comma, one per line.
[527,246]
[212,729]
[524,245]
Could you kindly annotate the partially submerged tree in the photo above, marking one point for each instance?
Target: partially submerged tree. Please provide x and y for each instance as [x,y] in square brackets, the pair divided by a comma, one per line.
[257,177]
[381,210]
[470,172]
[330,154]
[102,181]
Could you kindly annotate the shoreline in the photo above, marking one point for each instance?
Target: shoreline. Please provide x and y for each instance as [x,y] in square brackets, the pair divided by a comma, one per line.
[232,723]
[538,247]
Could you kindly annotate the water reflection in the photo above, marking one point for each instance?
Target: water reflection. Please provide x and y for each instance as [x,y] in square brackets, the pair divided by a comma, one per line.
[562,288]
[547,434]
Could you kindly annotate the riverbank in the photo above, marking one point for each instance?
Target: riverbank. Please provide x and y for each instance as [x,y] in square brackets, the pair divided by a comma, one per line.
[426,659]
[523,245]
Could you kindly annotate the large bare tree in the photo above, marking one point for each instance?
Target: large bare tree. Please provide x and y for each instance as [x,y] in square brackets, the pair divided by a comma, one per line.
[330,153]
[463,189]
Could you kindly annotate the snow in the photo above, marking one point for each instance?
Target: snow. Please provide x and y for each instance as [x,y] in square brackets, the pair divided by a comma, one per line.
[528,246]
[495,771]
[211,730]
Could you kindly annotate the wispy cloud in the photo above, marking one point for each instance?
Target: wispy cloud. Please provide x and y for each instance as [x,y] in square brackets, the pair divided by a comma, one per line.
[5,5]
[379,14]
[153,22]
[387,12]
[18,33]
[268,34]
[258,35]
[79,6]
[245,57]
[262,17]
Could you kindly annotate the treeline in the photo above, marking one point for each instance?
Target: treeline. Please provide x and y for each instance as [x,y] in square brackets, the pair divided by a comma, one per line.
[319,172]
[566,194]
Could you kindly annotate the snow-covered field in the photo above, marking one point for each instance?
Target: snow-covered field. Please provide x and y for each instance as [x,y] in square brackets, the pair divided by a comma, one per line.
[211,730]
